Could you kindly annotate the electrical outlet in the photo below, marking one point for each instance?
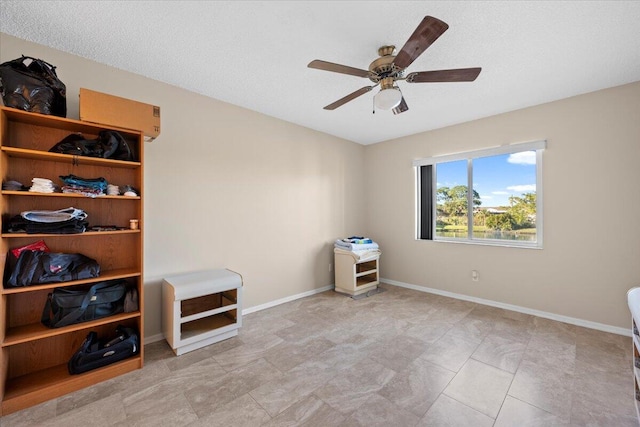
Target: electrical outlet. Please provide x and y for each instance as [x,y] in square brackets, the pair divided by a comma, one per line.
[474,275]
[330,267]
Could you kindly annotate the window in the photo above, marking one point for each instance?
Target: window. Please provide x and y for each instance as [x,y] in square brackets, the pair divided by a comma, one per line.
[504,206]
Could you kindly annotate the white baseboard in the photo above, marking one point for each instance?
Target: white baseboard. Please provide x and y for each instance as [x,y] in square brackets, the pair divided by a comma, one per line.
[285,299]
[160,337]
[153,338]
[546,315]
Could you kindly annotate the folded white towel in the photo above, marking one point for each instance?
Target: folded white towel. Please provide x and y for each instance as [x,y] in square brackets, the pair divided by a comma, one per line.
[42,185]
[359,255]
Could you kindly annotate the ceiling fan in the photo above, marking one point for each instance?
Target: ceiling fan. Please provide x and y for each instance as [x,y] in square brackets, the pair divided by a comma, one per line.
[389,69]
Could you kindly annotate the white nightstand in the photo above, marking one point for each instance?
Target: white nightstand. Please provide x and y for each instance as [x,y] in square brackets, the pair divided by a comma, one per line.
[355,276]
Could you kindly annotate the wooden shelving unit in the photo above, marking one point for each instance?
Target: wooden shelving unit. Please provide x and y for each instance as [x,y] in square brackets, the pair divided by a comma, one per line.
[33,357]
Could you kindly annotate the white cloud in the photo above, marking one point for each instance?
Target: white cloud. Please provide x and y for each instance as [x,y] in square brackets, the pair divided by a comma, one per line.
[500,193]
[523,158]
[485,197]
[522,188]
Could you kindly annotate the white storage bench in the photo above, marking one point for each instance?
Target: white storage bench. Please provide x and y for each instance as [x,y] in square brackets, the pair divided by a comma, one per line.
[201,308]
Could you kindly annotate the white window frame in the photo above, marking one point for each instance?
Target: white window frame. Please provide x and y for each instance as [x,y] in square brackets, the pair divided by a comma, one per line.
[469,156]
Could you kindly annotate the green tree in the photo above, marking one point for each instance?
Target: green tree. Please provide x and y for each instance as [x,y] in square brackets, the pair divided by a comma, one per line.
[452,202]
[501,221]
[523,210]
[479,218]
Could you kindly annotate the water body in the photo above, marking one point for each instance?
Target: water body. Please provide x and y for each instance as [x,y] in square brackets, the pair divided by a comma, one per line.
[493,235]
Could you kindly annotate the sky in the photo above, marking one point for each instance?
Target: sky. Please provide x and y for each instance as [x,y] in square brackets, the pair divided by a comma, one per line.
[495,178]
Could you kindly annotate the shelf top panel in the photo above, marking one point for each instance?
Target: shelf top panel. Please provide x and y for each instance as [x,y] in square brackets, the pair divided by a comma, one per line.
[84,234]
[60,122]
[196,284]
[25,153]
[35,194]
[37,331]
[122,273]
[45,384]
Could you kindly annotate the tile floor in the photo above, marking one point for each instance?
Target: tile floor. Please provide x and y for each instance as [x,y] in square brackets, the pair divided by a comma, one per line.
[398,358]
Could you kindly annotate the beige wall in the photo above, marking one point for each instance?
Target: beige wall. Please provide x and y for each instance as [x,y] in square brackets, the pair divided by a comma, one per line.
[228,187]
[591,178]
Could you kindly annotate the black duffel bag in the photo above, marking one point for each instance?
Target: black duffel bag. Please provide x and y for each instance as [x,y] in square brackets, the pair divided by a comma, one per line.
[108,145]
[66,307]
[95,354]
[37,267]
[33,87]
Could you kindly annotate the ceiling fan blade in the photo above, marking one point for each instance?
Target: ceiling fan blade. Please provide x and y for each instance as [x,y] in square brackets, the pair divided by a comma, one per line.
[425,34]
[349,97]
[401,108]
[457,75]
[337,68]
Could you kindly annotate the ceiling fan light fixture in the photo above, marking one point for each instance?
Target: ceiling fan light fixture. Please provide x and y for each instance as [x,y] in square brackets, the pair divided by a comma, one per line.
[388,98]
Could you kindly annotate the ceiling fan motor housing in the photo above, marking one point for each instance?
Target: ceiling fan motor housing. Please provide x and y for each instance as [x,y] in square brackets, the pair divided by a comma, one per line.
[384,67]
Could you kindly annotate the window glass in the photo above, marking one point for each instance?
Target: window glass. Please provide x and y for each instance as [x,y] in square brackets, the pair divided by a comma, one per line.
[451,200]
[504,206]
[506,185]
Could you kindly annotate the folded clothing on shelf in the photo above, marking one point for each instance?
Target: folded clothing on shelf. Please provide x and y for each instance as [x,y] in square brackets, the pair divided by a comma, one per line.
[113,190]
[357,240]
[84,191]
[90,187]
[18,224]
[54,216]
[12,185]
[63,221]
[42,185]
[355,246]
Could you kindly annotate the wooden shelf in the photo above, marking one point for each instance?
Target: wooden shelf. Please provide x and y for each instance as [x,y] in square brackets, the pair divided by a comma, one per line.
[40,386]
[76,235]
[229,297]
[25,153]
[36,331]
[71,195]
[55,122]
[202,327]
[207,313]
[364,281]
[123,273]
[365,273]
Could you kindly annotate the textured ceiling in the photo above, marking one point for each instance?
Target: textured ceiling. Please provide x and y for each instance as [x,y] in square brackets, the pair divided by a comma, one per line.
[255,54]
